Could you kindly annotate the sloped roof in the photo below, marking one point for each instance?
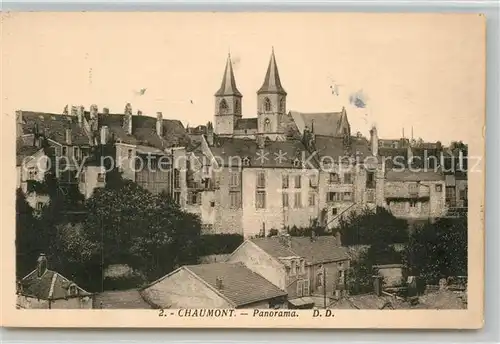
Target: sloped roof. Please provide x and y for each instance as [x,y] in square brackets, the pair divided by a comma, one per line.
[322,249]
[240,285]
[228,85]
[51,285]
[334,147]
[54,126]
[272,81]
[409,176]
[25,148]
[121,299]
[246,123]
[323,123]
[144,131]
[227,148]
[444,299]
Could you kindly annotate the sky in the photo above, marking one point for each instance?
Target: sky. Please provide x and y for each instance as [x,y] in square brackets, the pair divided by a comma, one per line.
[425,72]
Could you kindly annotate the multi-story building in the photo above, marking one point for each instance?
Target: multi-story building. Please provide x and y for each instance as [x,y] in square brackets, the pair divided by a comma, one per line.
[311,270]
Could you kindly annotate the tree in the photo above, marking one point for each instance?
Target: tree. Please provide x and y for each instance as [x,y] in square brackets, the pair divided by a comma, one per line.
[438,250]
[28,243]
[370,227]
[148,232]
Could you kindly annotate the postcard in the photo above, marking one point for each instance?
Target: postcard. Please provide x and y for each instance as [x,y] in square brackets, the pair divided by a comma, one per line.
[243,170]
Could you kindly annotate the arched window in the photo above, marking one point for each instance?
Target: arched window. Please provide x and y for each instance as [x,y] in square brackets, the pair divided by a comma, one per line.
[223,106]
[267,125]
[267,105]
[282,105]
[73,290]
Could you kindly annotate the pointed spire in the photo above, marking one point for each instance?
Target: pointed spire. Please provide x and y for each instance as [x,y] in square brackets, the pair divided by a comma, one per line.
[228,86]
[272,82]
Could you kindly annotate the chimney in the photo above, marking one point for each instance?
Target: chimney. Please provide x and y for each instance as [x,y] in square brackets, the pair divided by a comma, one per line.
[374,141]
[105,111]
[409,155]
[19,123]
[68,136]
[159,124]
[210,134]
[139,113]
[94,110]
[41,265]
[218,283]
[377,285]
[80,113]
[104,134]
[66,110]
[338,238]
[285,240]
[74,111]
[127,119]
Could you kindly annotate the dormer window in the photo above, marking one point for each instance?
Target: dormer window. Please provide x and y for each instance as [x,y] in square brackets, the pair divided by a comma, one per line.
[267,105]
[73,290]
[223,106]
[246,161]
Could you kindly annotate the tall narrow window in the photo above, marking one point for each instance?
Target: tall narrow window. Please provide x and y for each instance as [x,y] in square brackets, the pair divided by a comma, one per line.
[260,199]
[235,179]
[261,179]
[297,200]
[312,199]
[284,196]
[334,178]
[237,106]
[297,182]
[284,181]
[267,125]
[177,179]
[267,105]
[282,105]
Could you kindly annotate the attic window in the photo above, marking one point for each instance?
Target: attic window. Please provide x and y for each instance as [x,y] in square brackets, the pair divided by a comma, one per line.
[297,163]
[246,161]
[72,290]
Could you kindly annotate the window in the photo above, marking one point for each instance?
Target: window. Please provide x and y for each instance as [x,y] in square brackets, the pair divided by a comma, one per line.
[212,204]
[319,279]
[261,179]
[370,180]
[439,187]
[177,197]
[234,199]
[297,200]
[267,105]
[31,173]
[177,179]
[302,266]
[347,178]
[298,182]
[260,200]
[194,198]
[72,290]
[332,196]
[334,178]
[413,204]
[64,150]
[129,154]
[76,152]
[39,206]
[303,288]
[313,182]
[234,179]
[284,196]
[223,106]
[370,195]
[246,161]
[347,196]
[267,125]
[101,177]
[292,268]
[413,188]
[335,211]
[312,199]
[284,181]
[237,106]
[463,194]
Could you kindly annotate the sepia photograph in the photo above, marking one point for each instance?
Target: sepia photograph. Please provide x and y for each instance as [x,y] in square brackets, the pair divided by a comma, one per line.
[255,167]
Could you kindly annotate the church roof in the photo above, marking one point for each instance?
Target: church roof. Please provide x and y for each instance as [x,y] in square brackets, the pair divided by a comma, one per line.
[324,123]
[272,82]
[228,86]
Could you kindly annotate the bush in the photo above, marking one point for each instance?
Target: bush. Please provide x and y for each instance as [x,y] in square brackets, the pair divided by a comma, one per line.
[218,243]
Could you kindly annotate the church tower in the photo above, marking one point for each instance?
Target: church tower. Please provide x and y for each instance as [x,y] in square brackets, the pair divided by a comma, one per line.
[227,103]
[271,103]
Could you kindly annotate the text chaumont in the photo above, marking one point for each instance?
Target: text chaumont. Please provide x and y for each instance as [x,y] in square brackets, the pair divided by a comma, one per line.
[200,313]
